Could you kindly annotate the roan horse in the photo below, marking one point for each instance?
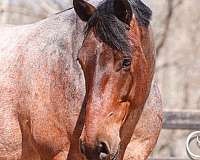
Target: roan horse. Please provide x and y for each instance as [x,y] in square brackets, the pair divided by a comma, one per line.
[49,79]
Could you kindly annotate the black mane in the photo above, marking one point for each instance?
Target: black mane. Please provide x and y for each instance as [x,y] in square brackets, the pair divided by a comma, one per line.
[110,29]
[142,12]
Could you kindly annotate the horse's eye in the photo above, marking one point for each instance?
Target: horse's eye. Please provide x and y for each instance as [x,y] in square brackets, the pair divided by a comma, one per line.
[126,63]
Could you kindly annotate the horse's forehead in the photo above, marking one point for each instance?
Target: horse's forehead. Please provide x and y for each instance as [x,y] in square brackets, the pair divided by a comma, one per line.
[97,46]
[93,43]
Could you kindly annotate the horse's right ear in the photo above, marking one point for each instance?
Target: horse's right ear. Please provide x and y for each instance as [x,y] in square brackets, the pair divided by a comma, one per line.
[83,9]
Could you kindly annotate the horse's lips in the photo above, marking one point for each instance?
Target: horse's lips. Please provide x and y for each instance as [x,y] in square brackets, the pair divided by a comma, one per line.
[103,156]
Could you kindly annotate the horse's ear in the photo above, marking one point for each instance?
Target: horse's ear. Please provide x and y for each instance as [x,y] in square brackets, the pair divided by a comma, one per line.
[83,9]
[123,10]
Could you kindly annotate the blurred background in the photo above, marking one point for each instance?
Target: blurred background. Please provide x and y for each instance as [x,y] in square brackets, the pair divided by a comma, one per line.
[176,25]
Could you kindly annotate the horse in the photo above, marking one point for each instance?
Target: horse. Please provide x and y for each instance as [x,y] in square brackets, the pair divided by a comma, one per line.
[59,85]
[118,61]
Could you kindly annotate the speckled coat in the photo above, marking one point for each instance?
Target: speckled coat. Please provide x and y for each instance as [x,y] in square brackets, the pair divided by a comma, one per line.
[42,89]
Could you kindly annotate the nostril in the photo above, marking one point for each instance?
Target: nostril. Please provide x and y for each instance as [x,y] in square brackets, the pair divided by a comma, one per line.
[103,150]
[82,147]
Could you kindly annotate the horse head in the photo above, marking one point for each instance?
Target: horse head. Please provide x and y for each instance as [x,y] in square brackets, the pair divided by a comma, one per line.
[117,58]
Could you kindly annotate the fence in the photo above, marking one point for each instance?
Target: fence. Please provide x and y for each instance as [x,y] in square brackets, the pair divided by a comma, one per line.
[184,120]
[189,120]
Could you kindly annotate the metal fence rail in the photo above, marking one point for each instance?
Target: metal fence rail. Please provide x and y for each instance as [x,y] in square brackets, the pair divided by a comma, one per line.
[189,120]
[184,120]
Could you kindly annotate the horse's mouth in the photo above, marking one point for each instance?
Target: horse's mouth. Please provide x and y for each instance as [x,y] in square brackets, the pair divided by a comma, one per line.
[111,157]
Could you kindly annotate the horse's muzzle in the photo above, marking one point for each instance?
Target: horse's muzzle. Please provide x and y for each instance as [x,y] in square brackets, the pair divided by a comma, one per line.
[99,152]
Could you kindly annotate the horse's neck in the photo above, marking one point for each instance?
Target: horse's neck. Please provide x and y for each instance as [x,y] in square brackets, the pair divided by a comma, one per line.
[70,32]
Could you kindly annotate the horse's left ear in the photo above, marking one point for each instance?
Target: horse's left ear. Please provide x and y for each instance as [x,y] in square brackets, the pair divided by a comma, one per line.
[83,9]
[123,10]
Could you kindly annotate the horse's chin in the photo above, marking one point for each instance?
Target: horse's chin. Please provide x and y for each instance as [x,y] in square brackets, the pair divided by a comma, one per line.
[113,156]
